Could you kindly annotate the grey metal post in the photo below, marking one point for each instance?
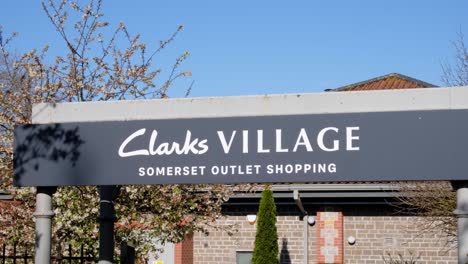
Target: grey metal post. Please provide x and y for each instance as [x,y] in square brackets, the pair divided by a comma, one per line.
[107,218]
[306,239]
[462,214]
[43,215]
[297,199]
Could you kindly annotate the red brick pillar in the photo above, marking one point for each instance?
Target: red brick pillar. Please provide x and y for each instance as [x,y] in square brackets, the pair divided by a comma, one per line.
[330,237]
[183,251]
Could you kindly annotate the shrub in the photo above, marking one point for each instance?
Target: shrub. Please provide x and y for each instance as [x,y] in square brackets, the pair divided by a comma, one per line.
[266,238]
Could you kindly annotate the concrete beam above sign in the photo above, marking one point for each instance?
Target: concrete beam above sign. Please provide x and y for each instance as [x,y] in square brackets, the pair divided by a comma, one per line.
[261,105]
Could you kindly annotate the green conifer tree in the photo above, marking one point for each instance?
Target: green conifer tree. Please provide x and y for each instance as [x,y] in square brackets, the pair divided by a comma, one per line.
[266,238]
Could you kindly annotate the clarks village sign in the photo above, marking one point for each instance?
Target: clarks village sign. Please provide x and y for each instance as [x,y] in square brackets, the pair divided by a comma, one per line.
[384,146]
[418,134]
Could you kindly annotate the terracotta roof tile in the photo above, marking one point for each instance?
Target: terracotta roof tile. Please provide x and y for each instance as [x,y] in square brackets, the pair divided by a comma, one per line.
[389,81]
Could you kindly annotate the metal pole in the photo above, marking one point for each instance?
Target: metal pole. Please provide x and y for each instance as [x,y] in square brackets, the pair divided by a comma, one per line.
[306,239]
[107,218]
[43,215]
[462,214]
[297,199]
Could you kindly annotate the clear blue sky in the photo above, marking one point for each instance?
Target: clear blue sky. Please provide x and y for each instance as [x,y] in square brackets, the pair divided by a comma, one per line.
[264,47]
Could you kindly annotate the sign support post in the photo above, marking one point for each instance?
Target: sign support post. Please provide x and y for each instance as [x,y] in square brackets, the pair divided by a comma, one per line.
[43,215]
[462,215]
[107,218]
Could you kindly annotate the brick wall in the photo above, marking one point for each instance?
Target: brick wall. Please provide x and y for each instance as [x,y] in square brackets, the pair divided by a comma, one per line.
[183,251]
[382,235]
[330,237]
[219,247]
[375,237]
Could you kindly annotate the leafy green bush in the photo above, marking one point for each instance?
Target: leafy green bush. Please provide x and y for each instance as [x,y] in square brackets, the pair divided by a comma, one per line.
[266,238]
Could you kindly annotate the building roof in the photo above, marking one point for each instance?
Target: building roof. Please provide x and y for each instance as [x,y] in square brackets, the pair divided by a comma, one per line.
[385,82]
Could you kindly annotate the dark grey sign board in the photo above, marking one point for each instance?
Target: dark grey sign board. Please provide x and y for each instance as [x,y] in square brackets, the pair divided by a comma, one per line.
[380,146]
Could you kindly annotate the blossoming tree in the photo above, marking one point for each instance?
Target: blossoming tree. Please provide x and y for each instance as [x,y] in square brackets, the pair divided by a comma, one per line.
[98,64]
